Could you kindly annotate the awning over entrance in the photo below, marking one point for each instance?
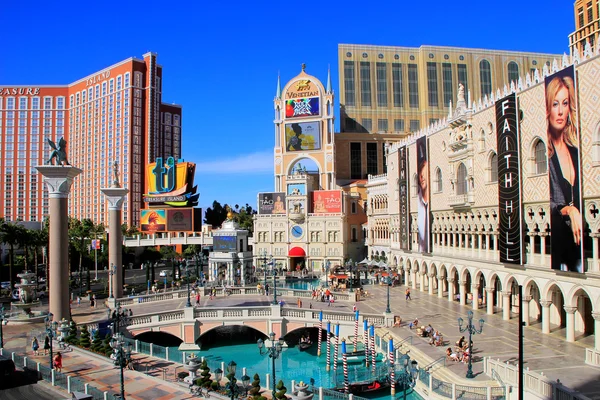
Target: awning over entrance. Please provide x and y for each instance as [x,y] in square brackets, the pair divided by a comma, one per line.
[297,252]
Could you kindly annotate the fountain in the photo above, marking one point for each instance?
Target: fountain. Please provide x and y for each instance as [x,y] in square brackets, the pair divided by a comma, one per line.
[27,299]
[301,392]
[193,364]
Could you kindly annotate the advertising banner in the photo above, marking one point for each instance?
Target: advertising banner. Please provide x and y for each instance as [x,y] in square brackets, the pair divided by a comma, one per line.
[180,219]
[296,189]
[564,172]
[153,220]
[224,244]
[404,204]
[423,209]
[509,180]
[302,107]
[327,201]
[302,136]
[271,203]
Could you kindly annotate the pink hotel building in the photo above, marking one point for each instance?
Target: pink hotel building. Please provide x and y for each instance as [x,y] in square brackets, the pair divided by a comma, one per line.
[114,114]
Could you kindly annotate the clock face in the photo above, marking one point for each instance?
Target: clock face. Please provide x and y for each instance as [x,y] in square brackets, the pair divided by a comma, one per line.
[297,231]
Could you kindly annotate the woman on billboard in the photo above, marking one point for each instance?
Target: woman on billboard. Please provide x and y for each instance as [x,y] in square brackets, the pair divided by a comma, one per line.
[563,165]
[423,195]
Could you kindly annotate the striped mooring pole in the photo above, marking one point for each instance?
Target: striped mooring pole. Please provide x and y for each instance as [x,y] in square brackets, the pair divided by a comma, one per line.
[392,372]
[320,333]
[366,334]
[356,332]
[345,366]
[373,352]
[337,345]
[328,367]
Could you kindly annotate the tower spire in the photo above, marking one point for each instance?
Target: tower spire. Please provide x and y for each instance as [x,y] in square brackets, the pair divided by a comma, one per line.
[328,79]
[278,92]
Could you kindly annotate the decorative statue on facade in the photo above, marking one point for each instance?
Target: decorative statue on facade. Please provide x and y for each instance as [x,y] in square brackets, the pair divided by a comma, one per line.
[461,93]
[59,153]
[116,183]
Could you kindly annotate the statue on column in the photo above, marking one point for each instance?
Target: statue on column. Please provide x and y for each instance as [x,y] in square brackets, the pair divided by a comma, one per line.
[59,152]
[115,182]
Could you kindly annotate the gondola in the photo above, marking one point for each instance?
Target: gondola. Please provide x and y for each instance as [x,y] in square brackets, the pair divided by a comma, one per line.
[304,346]
[364,387]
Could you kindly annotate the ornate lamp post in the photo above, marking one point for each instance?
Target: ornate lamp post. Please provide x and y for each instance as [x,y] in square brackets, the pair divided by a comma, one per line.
[273,351]
[327,264]
[350,265]
[187,274]
[218,376]
[122,356]
[245,384]
[388,283]
[409,371]
[232,385]
[111,272]
[50,327]
[119,315]
[274,285]
[472,331]
[2,318]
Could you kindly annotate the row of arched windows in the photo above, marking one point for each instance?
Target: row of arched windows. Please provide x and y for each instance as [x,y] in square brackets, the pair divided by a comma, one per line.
[485,75]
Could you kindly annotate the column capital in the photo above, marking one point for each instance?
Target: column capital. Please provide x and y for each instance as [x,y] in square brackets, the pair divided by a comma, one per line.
[460,282]
[475,287]
[570,310]
[115,197]
[451,280]
[545,303]
[59,179]
[431,274]
[527,298]
[490,289]
[506,293]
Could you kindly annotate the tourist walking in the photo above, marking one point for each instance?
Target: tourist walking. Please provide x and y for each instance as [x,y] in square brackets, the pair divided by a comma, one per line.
[78,301]
[46,344]
[35,345]
[267,289]
[94,300]
[198,297]
[58,362]
[407,294]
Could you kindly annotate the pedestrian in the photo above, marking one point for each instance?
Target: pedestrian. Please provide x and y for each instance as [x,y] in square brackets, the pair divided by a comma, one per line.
[299,302]
[78,301]
[354,308]
[35,346]
[94,299]
[92,303]
[58,362]
[198,298]
[46,344]
[267,289]
[407,294]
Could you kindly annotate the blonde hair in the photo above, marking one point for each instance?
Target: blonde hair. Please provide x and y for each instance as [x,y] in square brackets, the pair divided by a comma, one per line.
[569,134]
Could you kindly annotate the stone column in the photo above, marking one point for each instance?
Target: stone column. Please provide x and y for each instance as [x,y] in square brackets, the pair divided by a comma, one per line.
[406,277]
[475,292]
[596,330]
[440,291]
[450,289]
[525,305]
[490,300]
[421,282]
[414,279]
[430,276]
[570,323]
[506,305]
[115,196]
[463,292]
[58,179]
[545,316]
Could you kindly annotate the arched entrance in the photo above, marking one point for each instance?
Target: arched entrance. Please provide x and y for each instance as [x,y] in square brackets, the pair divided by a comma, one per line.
[532,297]
[297,257]
[583,319]
[557,317]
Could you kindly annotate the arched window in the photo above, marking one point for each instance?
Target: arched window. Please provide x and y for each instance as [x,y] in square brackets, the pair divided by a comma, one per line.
[354,238]
[485,77]
[541,161]
[353,207]
[596,146]
[438,180]
[513,71]
[461,179]
[494,168]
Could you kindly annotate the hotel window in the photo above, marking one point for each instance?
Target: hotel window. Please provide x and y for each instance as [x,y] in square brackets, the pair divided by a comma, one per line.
[415,125]
[23,103]
[127,76]
[35,103]
[60,103]
[541,162]
[382,84]
[365,83]
[461,179]
[433,120]
[580,17]
[355,161]
[10,103]
[90,94]
[397,86]
[413,86]
[590,13]
[398,125]
[485,77]
[462,76]
[103,88]
[447,83]
[372,158]
[382,125]
[513,72]
[432,91]
[77,99]
[367,124]
[111,86]
[97,92]
[119,82]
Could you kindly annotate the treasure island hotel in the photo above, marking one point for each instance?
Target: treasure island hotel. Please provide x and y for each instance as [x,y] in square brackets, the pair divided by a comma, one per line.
[114,114]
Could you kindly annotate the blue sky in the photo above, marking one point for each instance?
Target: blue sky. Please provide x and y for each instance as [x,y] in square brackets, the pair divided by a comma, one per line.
[221,59]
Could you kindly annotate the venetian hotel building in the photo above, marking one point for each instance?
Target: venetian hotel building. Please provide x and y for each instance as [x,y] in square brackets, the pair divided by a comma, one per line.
[116,113]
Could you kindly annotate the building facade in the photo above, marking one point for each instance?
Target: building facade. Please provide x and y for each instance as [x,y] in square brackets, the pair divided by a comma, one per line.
[385,89]
[115,114]
[490,214]
[587,25]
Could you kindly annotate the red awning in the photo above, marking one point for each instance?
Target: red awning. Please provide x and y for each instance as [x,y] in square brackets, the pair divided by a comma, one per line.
[297,252]
[339,276]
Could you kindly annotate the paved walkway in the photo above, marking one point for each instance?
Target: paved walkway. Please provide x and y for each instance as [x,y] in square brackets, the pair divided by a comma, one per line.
[547,354]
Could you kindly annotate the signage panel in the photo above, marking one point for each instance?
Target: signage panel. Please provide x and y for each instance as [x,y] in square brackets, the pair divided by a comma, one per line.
[327,201]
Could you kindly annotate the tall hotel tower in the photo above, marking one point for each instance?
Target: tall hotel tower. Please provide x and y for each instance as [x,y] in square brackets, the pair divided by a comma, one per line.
[115,114]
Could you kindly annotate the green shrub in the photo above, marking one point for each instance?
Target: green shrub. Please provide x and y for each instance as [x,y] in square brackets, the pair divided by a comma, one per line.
[97,342]
[106,349]
[205,380]
[84,340]
[255,391]
[281,389]
[72,334]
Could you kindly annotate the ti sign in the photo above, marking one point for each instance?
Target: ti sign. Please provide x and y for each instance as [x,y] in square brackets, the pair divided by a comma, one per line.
[171,183]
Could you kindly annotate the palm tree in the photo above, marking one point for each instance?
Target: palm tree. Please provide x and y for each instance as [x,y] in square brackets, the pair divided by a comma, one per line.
[10,234]
[39,239]
[79,232]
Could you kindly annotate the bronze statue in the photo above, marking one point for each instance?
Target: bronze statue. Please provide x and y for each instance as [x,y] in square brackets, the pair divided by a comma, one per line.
[59,153]
[115,182]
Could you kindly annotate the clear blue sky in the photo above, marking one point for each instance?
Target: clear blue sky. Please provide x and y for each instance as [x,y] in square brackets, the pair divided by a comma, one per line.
[221,59]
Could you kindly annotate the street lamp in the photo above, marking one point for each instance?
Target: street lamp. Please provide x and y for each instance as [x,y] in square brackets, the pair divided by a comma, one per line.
[111,272]
[408,373]
[50,327]
[245,384]
[472,331]
[274,351]
[274,285]
[122,356]
[232,385]
[218,376]
[2,319]
[187,274]
[119,315]
[327,273]
[388,283]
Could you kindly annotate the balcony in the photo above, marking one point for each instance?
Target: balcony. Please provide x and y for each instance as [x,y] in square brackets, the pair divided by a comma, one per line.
[462,200]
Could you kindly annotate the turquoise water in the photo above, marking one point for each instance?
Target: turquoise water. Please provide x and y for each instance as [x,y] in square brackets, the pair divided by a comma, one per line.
[300,285]
[293,364]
